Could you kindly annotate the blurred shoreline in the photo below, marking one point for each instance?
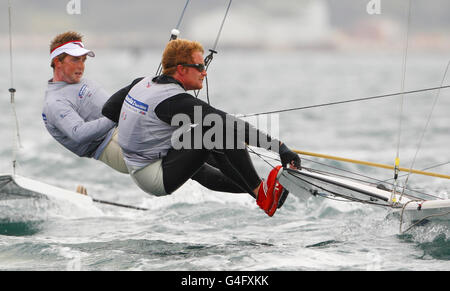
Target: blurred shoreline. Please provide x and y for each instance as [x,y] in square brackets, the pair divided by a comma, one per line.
[286,25]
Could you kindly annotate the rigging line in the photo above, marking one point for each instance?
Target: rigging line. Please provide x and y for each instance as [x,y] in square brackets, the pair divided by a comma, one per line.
[372,178]
[348,197]
[400,119]
[12,91]
[213,51]
[326,165]
[424,169]
[378,165]
[345,101]
[345,171]
[174,33]
[207,89]
[118,204]
[426,125]
[252,151]
[10,45]
[435,166]
[361,180]
[182,14]
[401,216]
[221,26]
[262,157]
[422,220]
[363,176]
[405,57]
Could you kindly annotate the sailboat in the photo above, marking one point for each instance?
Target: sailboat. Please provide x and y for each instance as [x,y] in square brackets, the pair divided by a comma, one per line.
[307,183]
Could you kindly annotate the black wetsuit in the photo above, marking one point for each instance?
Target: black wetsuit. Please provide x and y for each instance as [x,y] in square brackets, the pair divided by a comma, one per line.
[226,170]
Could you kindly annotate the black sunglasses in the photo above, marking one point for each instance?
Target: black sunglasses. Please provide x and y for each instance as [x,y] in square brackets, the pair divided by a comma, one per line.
[199,67]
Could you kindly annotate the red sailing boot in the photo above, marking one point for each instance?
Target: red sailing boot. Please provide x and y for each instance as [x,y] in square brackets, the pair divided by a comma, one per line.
[270,192]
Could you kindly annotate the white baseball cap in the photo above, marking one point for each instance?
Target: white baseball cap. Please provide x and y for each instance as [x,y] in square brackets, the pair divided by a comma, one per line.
[74,48]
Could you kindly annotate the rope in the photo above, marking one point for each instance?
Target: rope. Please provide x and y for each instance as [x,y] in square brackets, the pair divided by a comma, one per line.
[424,169]
[402,86]
[401,216]
[425,218]
[10,45]
[346,101]
[119,204]
[174,33]
[364,176]
[350,198]
[420,220]
[426,126]
[378,165]
[262,156]
[209,58]
[182,14]
[12,91]
[221,26]
[405,57]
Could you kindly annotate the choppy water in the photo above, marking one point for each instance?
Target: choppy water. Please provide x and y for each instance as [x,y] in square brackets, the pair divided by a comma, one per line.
[196,229]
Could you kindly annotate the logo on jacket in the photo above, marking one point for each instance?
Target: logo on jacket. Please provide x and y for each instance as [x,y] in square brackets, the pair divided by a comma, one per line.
[136,105]
[82,91]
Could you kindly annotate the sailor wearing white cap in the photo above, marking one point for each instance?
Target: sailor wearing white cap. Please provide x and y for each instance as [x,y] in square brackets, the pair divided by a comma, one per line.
[73,104]
[74,48]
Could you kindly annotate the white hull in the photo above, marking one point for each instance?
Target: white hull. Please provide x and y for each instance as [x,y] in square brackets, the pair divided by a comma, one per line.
[67,203]
[306,184]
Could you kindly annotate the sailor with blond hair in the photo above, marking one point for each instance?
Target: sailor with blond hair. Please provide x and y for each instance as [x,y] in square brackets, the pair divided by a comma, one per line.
[162,154]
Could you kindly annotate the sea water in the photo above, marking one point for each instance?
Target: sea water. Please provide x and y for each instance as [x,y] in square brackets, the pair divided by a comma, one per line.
[198,229]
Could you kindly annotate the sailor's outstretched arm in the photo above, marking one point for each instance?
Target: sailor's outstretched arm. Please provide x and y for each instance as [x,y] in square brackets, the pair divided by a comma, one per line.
[186,104]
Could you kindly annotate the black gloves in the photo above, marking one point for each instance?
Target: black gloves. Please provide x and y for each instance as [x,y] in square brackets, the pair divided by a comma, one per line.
[287,156]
